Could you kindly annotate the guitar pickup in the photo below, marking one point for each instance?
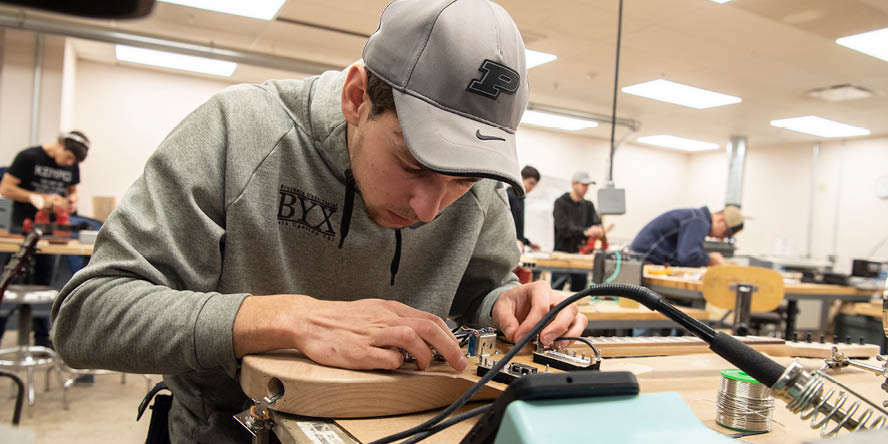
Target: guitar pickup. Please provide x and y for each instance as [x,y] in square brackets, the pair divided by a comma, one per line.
[482,343]
[566,360]
[510,373]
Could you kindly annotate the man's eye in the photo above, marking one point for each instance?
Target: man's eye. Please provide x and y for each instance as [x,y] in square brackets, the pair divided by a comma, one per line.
[414,171]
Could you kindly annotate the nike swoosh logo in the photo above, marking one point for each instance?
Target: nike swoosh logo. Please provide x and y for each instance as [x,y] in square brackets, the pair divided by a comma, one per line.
[483,137]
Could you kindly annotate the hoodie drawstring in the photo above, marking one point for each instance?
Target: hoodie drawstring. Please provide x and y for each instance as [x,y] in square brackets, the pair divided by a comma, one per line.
[345,222]
[396,261]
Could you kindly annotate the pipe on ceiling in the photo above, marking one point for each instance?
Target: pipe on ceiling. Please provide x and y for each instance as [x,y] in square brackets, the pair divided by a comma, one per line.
[23,22]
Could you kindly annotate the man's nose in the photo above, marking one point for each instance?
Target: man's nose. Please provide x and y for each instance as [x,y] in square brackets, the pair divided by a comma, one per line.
[426,199]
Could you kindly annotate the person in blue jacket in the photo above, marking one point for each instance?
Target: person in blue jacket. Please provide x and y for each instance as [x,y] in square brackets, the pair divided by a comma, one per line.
[676,237]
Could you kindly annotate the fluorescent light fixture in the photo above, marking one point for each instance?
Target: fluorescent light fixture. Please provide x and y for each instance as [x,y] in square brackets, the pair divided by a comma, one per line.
[174,61]
[721,1]
[678,143]
[537,58]
[818,126]
[840,93]
[873,43]
[667,91]
[549,120]
[260,9]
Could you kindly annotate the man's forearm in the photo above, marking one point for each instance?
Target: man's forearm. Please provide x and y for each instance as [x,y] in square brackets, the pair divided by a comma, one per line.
[17,194]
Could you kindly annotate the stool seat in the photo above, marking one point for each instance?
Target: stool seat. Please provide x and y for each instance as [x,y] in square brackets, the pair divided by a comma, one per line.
[29,294]
[26,356]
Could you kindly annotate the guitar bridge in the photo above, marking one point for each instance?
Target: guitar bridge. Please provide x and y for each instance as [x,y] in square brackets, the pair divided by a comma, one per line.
[510,373]
[566,360]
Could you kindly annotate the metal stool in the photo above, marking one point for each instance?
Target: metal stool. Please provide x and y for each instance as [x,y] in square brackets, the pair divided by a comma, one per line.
[62,367]
[24,355]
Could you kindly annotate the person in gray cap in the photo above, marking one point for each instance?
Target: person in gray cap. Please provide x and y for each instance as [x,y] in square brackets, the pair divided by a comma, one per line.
[575,220]
[677,237]
[344,215]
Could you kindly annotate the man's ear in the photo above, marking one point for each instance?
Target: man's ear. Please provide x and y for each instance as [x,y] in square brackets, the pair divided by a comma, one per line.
[354,94]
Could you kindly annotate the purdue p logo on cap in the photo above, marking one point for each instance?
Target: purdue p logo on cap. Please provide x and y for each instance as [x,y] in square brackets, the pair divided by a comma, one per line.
[496,79]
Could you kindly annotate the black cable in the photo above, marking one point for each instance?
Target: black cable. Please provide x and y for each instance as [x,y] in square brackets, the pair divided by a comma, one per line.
[610,176]
[20,395]
[445,424]
[635,292]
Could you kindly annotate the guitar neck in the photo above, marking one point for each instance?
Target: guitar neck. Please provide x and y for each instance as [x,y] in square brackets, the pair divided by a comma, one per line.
[621,347]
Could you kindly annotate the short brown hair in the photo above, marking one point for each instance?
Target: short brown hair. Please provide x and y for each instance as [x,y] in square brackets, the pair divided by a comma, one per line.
[529,172]
[380,95]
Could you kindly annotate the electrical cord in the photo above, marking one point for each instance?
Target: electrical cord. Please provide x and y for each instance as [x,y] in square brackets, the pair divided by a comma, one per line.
[602,290]
[445,424]
[616,268]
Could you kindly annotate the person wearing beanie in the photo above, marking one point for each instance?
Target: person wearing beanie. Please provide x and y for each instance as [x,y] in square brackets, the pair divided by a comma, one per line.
[676,237]
[44,176]
[344,215]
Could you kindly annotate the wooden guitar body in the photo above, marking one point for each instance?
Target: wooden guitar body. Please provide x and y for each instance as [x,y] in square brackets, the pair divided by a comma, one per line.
[310,389]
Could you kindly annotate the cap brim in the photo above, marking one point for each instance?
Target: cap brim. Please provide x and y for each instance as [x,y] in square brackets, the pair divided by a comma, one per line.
[451,144]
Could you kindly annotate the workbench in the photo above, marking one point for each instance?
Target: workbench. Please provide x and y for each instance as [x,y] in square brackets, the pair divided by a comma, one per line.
[687,287]
[608,314]
[10,244]
[696,378]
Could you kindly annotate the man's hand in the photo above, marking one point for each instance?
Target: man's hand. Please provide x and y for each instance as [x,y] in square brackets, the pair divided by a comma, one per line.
[517,310]
[594,231]
[72,202]
[56,200]
[534,247]
[364,334]
[716,258]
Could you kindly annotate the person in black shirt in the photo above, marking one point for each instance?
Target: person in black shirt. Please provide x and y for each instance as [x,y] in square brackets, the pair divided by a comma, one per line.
[530,176]
[44,177]
[575,220]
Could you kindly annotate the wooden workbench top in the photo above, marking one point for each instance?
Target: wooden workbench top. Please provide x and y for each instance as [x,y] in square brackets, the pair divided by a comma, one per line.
[689,279]
[10,244]
[600,310]
[695,377]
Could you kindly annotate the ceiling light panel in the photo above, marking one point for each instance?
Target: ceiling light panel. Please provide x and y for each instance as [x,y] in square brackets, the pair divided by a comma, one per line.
[537,58]
[678,143]
[174,61]
[679,94]
[260,9]
[873,43]
[549,120]
[818,126]
[840,93]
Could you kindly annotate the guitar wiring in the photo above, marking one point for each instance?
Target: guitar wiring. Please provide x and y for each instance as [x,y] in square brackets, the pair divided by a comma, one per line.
[445,424]
[602,290]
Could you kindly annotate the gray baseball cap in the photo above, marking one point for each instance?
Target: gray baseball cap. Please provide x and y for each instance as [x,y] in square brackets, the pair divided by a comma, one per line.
[582,177]
[458,77]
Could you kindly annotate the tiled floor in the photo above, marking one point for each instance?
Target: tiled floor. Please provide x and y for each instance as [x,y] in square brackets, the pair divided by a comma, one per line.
[102,412]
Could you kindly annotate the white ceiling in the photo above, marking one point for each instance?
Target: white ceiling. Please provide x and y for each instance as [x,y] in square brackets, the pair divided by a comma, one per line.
[768,52]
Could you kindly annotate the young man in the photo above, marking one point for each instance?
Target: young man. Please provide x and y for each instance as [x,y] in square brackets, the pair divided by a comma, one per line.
[575,220]
[44,176]
[344,215]
[529,177]
[676,237]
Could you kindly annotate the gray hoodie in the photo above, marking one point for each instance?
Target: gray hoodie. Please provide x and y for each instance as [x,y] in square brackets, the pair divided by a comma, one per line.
[248,195]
